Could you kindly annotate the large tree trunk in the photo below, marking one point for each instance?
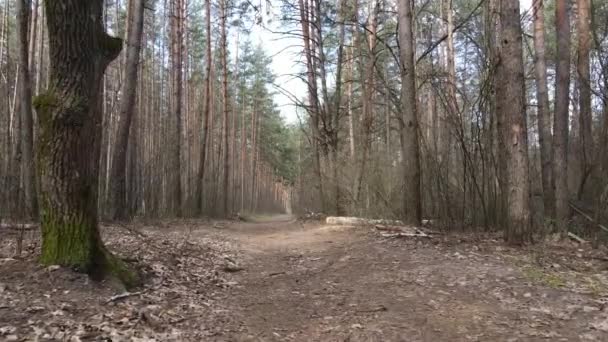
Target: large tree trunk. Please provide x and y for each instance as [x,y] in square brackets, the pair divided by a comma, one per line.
[118,192]
[69,143]
[512,110]
[544,115]
[409,121]
[584,80]
[561,117]
[25,107]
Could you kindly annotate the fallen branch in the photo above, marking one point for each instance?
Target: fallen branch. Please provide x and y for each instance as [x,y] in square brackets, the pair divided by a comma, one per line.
[123,296]
[401,231]
[380,308]
[589,218]
[576,238]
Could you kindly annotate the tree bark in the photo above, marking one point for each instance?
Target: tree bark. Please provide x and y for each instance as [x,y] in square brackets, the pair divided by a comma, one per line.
[118,191]
[313,97]
[584,81]
[69,142]
[561,116]
[25,107]
[511,107]
[226,123]
[177,30]
[207,108]
[410,150]
[544,114]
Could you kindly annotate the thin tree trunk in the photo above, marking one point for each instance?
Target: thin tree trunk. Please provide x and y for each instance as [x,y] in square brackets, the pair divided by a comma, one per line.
[306,16]
[584,81]
[207,107]
[561,117]
[118,193]
[25,107]
[177,21]
[226,123]
[544,114]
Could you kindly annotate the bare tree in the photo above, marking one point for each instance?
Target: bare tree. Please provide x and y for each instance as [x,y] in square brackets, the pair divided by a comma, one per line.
[118,192]
[584,81]
[511,107]
[561,116]
[544,114]
[410,150]
[25,107]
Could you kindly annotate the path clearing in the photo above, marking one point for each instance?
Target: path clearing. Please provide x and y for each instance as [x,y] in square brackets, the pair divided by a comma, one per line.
[309,282]
[283,280]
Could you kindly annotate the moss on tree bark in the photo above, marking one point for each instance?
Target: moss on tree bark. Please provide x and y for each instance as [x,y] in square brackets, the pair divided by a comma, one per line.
[69,142]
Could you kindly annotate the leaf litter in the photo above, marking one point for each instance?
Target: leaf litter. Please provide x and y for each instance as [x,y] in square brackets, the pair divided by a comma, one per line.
[185,282]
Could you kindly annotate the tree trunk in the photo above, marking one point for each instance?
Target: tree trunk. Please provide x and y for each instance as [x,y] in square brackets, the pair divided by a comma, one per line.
[118,193]
[512,110]
[226,128]
[177,30]
[409,120]
[561,117]
[69,142]
[207,108]
[544,115]
[25,107]
[313,98]
[584,81]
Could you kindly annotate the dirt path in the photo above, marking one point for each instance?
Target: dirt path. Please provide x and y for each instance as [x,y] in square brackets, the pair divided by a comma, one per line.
[308,282]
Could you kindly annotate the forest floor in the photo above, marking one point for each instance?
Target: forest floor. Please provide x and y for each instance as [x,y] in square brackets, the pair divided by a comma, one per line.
[279,279]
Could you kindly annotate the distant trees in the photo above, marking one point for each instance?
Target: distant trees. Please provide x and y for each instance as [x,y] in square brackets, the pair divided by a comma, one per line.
[411,109]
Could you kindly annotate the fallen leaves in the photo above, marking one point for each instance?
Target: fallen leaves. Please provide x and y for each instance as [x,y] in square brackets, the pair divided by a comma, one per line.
[185,273]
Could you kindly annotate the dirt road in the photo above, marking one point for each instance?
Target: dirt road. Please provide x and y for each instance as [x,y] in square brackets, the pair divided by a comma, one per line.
[309,282]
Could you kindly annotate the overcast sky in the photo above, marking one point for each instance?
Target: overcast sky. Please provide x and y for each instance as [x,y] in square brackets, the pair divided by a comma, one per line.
[286,53]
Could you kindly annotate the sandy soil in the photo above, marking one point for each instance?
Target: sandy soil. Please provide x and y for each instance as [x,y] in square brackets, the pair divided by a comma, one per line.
[309,282]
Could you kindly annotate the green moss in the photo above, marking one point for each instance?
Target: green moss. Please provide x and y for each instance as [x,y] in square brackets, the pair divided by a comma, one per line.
[114,267]
[44,105]
[67,240]
[72,241]
[543,277]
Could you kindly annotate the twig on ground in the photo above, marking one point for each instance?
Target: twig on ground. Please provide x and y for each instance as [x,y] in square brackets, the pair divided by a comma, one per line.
[123,296]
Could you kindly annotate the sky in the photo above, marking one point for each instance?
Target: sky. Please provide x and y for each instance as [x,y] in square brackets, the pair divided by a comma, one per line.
[286,58]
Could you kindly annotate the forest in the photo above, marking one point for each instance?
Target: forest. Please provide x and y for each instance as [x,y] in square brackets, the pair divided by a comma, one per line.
[304,170]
